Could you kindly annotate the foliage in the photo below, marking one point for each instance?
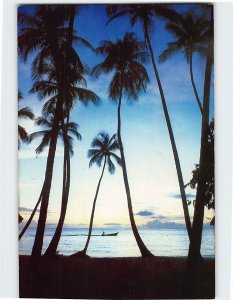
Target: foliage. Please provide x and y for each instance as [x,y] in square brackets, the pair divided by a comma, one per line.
[209,198]
[23,113]
[103,147]
[188,30]
[125,57]
[47,133]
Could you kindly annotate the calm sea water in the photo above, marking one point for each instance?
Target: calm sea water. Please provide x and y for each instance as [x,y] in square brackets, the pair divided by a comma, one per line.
[161,242]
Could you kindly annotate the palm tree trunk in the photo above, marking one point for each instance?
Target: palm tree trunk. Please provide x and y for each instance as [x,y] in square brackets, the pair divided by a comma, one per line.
[142,247]
[38,243]
[32,215]
[197,97]
[83,252]
[93,209]
[192,277]
[172,139]
[193,84]
[195,243]
[52,248]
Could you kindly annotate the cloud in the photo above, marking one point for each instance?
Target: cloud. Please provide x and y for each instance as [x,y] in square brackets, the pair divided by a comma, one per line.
[145,213]
[178,196]
[112,224]
[160,217]
[156,224]
[26,209]
[29,210]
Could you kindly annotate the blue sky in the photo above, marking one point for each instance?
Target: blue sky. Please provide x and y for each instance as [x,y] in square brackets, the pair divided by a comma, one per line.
[151,169]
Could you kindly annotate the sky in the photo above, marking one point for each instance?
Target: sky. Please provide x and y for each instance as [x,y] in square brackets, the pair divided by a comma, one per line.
[149,158]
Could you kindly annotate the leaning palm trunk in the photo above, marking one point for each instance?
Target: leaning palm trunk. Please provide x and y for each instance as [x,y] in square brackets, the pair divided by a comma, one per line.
[193,84]
[93,209]
[37,247]
[172,139]
[32,215]
[142,247]
[38,243]
[52,248]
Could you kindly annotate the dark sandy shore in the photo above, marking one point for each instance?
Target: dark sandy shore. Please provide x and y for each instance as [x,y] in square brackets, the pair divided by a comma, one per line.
[111,278]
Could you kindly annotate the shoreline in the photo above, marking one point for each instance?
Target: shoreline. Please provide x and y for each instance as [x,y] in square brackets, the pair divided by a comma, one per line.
[111,278]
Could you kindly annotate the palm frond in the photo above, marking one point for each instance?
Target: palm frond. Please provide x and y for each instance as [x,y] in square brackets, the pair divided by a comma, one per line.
[93,152]
[41,121]
[37,134]
[116,157]
[79,40]
[25,113]
[111,167]
[172,49]
[44,143]
[96,159]
[44,88]
[22,134]
[85,95]
[75,133]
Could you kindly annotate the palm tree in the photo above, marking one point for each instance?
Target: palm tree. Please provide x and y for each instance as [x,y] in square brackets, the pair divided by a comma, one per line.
[144,14]
[46,135]
[103,148]
[188,30]
[66,128]
[46,31]
[198,217]
[124,58]
[72,93]
[23,113]
[192,272]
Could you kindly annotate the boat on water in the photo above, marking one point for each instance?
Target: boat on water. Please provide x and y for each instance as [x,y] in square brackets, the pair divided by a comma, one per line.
[109,234]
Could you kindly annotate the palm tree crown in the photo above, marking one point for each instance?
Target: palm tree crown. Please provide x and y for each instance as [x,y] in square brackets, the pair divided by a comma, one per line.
[47,133]
[188,30]
[142,13]
[45,30]
[124,57]
[103,147]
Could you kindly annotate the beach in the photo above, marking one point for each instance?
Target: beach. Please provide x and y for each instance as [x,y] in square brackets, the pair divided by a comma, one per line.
[111,278]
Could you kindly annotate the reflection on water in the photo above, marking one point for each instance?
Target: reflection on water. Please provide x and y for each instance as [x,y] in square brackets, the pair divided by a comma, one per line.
[162,242]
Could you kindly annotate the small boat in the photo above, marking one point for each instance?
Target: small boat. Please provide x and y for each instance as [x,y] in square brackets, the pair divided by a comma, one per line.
[109,234]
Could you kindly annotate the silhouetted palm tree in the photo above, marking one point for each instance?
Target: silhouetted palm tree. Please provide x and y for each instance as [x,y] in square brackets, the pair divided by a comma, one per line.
[193,265]
[188,30]
[144,13]
[124,58]
[195,244]
[46,134]
[67,128]
[46,31]
[23,113]
[103,148]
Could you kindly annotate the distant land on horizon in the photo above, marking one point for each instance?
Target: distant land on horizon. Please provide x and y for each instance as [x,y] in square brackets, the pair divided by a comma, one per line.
[153,226]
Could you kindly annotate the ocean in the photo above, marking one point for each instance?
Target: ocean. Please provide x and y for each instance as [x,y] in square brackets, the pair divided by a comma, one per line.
[161,242]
